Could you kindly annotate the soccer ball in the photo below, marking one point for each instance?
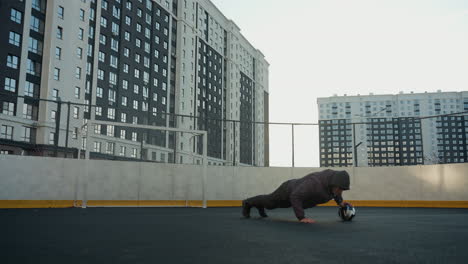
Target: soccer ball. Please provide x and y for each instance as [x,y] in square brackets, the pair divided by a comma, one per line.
[347,213]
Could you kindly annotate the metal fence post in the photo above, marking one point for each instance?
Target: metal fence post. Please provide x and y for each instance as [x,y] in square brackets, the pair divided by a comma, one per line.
[292,133]
[57,126]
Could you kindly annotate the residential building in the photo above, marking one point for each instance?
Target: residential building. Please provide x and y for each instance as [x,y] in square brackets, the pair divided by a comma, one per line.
[174,63]
[393,130]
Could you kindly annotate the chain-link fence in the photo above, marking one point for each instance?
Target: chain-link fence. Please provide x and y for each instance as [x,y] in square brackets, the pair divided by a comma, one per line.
[33,126]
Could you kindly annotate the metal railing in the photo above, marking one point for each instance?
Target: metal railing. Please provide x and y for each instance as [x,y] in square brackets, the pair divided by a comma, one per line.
[230,142]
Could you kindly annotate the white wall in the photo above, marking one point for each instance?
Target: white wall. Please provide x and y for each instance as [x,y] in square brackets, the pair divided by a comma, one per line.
[39,178]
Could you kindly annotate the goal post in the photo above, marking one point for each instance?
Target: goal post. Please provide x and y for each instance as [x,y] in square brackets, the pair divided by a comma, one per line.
[90,124]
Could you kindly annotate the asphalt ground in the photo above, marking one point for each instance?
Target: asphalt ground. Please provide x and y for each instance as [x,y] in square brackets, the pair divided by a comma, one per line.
[220,235]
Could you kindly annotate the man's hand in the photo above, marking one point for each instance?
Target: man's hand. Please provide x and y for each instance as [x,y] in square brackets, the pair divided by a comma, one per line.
[344,204]
[307,221]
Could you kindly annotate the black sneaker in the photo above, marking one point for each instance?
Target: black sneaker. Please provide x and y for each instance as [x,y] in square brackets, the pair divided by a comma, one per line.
[262,213]
[246,209]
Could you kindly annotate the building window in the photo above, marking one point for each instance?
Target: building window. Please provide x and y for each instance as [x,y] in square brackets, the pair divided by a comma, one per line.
[98,111]
[28,111]
[103,22]
[14,39]
[8,108]
[10,84]
[91,32]
[100,75]
[35,46]
[26,137]
[57,74]
[76,112]
[115,45]
[37,24]
[77,92]
[80,33]
[97,129]
[78,73]
[92,14]
[123,118]
[59,32]
[97,146]
[55,94]
[111,95]
[90,50]
[38,5]
[123,148]
[99,92]
[112,78]
[33,68]
[124,100]
[137,73]
[134,136]
[58,53]
[136,88]
[51,138]
[79,53]
[113,61]
[102,39]
[104,4]
[60,12]
[75,133]
[12,61]
[29,89]
[124,84]
[102,56]
[134,152]
[16,16]
[6,132]
[82,14]
[110,148]
[123,133]
[115,29]
[111,113]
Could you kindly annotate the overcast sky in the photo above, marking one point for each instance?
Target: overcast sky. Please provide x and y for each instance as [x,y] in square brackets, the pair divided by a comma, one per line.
[318,48]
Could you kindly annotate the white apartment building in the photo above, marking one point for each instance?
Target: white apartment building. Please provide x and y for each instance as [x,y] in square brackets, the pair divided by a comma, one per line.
[393,130]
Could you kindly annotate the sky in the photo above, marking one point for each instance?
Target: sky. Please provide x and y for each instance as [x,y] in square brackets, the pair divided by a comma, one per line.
[318,48]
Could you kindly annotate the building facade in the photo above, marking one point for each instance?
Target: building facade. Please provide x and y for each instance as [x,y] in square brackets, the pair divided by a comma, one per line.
[393,130]
[175,63]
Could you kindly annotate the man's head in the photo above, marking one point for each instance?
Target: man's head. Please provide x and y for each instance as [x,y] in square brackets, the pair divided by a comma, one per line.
[339,182]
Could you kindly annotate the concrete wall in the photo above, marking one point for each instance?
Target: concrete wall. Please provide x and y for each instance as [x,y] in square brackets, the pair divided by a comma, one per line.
[39,178]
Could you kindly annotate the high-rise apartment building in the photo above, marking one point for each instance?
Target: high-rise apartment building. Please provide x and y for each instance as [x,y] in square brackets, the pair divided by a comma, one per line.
[393,130]
[134,62]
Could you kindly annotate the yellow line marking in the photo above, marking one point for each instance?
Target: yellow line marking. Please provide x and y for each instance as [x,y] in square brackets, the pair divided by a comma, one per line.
[214,203]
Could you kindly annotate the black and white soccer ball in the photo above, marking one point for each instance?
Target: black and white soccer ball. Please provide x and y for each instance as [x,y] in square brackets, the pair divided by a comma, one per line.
[347,213]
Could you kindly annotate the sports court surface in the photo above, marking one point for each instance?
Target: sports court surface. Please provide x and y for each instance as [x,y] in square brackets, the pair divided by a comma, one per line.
[219,235]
